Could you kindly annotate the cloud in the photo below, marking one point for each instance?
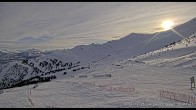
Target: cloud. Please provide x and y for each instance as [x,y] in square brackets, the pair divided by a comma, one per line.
[32,39]
[7,42]
[77,38]
[68,24]
[158,29]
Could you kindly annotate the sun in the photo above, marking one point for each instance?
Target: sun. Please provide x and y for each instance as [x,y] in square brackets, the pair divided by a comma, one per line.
[166,25]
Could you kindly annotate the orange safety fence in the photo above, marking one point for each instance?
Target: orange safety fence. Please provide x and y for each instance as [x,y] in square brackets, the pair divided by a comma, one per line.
[107,87]
[177,96]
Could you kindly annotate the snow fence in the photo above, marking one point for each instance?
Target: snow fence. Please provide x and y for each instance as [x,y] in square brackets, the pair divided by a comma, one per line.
[177,96]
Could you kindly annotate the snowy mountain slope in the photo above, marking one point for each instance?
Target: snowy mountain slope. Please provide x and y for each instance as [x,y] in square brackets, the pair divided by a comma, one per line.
[7,56]
[178,54]
[2,53]
[31,52]
[63,63]
[162,39]
[104,91]
[46,65]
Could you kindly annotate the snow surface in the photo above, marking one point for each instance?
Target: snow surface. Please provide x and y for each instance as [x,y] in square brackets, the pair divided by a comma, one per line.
[96,92]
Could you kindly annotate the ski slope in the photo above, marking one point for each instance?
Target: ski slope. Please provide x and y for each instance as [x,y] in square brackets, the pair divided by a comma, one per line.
[103,91]
[180,54]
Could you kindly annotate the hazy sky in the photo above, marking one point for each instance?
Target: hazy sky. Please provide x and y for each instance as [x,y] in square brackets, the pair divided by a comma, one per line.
[53,25]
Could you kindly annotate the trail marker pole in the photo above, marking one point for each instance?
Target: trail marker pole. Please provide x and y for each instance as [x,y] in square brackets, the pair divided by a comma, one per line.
[192,82]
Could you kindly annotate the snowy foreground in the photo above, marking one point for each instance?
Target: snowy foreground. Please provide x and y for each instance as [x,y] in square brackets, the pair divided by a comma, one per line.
[131,85]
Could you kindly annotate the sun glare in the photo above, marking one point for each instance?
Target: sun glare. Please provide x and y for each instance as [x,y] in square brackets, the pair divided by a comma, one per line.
[166,25]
